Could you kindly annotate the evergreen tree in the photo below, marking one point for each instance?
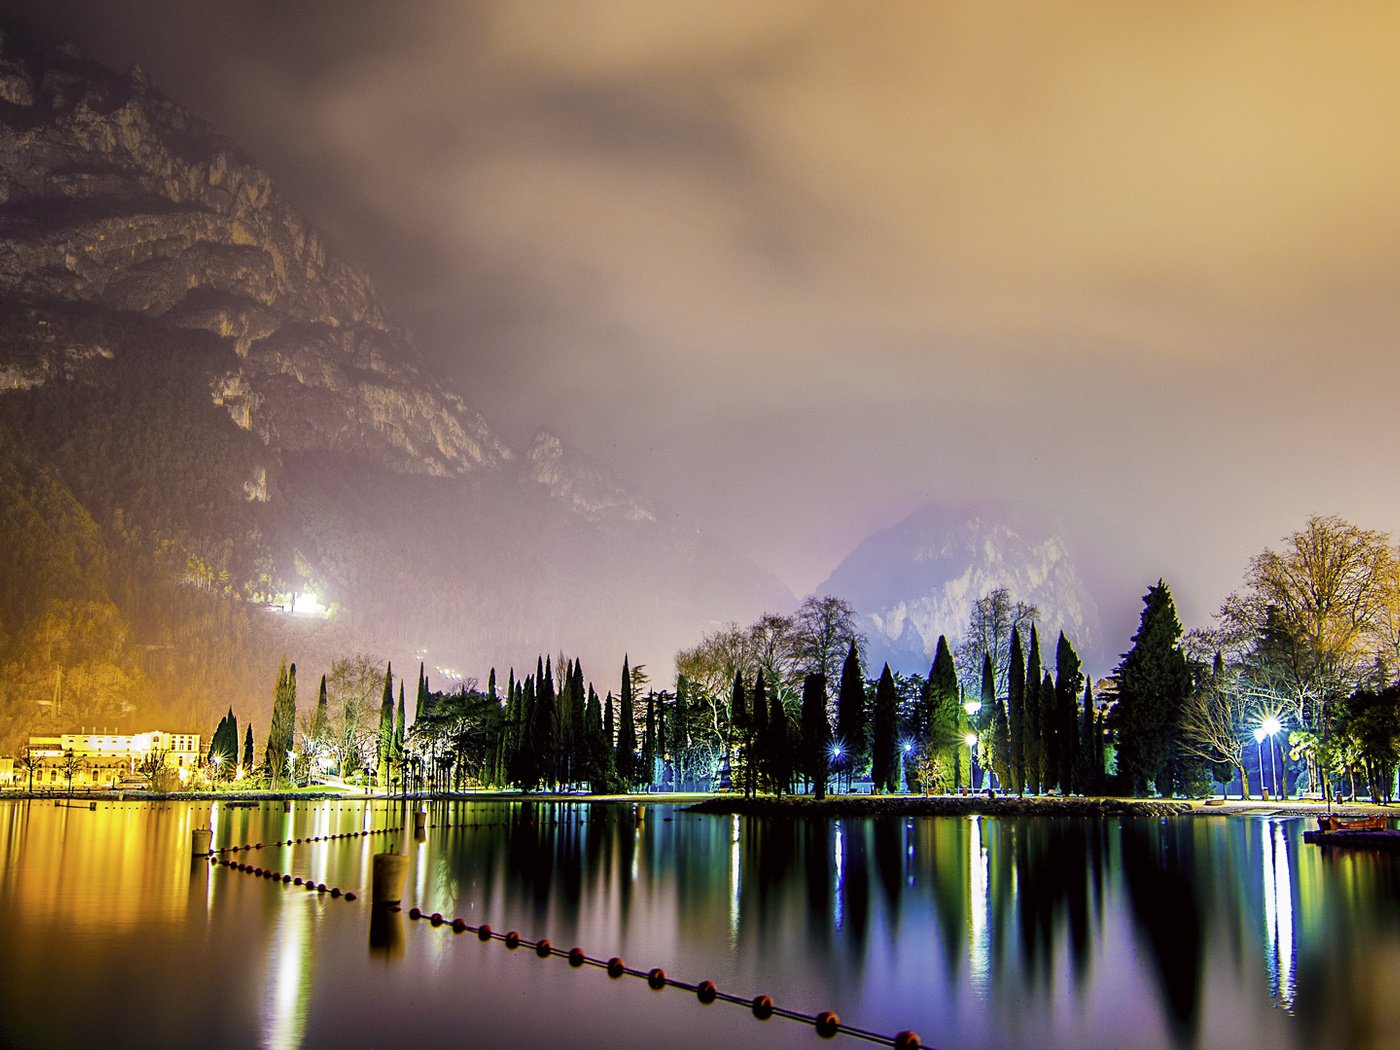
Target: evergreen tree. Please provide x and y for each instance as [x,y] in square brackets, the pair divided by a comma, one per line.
[884,744]
[1047,707]
[280,736]
[400,724]
[680,732]
[1153,683]
[321,720]
[1068,680]
[626,734]
[780,745]
[652,747]
[762,739]
[1033,720]
[816,733]
[1015,714]
[1089,768]
[491,687]
[422,703]
[386,728]
[739,740]
[248,750]
[946,723]
[850,715]
[542,725]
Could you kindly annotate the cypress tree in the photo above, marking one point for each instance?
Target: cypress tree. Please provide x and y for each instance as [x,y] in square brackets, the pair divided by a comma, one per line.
[280,736]
[609,731]
[946,719]
[321,720]
[386,727]
[816,733]
[884,745]
[627,733]
[738,736]
[850,715]
[780,747]
[1088,775]
[1033,720]
[248,750]
[1068,679]
[680,731]
[1015,714]
[1001,747]
[759,758]
[399,732]
[543,742]
[652,746]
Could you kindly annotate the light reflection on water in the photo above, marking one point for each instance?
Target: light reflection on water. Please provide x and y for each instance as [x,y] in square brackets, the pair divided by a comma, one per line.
[972,931]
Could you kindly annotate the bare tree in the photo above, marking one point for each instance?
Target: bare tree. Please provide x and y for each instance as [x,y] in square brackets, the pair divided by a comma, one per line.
[154,769]
[72,763]
[823,630]
[989,629]
[354,690]
[1219,710]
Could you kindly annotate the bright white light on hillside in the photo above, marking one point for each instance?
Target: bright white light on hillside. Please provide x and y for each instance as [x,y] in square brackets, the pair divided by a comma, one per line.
[307,604]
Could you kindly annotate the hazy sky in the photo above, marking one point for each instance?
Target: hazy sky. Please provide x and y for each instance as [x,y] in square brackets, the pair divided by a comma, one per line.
[798,268]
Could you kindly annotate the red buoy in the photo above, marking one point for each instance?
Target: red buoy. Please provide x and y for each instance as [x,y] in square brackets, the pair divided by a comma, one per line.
[828,1024]
[459,925]
[656,978]
[415,913]
[512,940]
[483,932]
[335,891]
[577,957]
[706,991]
[436,918]
[907,1041]
[616,967]
[349,896]
[762,1006]
[543,948]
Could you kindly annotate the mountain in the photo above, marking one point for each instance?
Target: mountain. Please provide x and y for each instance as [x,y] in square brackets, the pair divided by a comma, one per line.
[208,416]
[920,578]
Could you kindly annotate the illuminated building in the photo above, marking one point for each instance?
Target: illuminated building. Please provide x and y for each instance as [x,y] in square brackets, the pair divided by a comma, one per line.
[108,759]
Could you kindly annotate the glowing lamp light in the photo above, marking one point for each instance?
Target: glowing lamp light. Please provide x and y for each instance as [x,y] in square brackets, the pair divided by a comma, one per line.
[1259,735]
[972,707]
[1270,726]
[970,740]
[908,747]
[837,751]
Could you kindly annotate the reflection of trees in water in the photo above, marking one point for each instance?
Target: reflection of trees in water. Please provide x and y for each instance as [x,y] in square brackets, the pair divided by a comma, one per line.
[1160,871]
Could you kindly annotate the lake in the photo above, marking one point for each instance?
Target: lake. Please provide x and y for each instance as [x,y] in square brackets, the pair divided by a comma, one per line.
[972,931]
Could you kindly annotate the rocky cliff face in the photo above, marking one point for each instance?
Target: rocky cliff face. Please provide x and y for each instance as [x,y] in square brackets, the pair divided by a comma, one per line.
[113,197]
[228,399]
[920,578]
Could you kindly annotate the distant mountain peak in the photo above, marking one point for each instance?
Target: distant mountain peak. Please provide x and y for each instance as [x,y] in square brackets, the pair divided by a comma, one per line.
[588,488]
[919,578]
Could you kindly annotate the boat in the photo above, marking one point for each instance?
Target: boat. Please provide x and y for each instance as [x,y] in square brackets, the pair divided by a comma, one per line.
[1327,822]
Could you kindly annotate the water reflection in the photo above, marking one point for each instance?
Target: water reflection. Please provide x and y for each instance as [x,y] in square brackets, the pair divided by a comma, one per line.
[974,931]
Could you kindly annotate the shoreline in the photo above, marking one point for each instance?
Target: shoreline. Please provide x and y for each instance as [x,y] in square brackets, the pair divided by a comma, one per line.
[802,807]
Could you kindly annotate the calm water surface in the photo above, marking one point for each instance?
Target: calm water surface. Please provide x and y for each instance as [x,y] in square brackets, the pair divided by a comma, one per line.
[1198,932]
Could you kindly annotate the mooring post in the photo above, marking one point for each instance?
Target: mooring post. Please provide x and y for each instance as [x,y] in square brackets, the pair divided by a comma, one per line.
[199,842]
[390,871]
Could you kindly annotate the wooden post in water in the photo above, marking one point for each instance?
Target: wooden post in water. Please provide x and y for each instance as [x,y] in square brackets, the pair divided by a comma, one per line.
[199,842]
[390,871]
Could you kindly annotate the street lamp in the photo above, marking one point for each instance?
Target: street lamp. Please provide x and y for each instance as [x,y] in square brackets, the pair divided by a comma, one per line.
[1259,754]
[1269,727]
[905,749]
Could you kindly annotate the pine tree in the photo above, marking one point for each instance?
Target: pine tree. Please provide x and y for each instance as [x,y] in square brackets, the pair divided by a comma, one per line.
[884,744]
[1033,719]
[850,716]
[816,733]
[386,728]
[1153,683]
[1015,714]
[1068,679]
[543,745]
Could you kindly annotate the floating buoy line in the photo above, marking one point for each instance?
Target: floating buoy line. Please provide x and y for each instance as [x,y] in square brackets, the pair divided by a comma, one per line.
[826,1023]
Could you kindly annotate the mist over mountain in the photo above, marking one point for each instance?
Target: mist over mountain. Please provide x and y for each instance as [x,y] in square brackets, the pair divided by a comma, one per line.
[919,578]
[206,412]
